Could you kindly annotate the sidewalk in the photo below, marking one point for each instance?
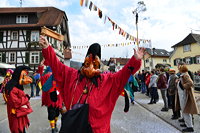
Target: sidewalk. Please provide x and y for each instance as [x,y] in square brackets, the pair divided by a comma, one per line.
[143,100]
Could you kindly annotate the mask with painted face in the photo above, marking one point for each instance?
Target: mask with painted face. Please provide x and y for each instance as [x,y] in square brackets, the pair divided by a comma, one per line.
[91,66]
[24,78]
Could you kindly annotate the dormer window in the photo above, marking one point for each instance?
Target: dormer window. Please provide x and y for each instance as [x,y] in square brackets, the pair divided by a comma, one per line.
[186,48]
[21,19]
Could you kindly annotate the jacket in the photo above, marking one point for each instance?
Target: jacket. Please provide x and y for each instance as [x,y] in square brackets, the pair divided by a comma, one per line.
[172,84]
[162,81]
[153,80]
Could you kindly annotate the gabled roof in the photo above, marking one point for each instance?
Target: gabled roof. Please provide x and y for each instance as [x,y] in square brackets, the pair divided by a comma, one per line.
[191,38]
[158,52]
[122,61]
[47,16]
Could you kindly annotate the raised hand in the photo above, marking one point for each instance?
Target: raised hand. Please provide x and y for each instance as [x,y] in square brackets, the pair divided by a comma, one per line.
[139,53]
[43,42]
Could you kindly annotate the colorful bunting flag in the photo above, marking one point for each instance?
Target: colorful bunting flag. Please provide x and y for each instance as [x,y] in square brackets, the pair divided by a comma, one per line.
[86,3]
[114,25]
[81,2]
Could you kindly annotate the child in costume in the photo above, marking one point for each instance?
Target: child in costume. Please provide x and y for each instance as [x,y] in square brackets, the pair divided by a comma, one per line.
[88,86]
[18,106]
[54,102]
[7,78]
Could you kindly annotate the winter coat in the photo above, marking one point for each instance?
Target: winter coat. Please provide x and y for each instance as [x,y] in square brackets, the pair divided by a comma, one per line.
[162,81]
[188,85]
[172,84]
[101,99]
[147,79]
[153,80]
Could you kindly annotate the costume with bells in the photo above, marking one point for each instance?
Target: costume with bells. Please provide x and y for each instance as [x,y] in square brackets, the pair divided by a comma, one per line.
[18,106]
[100,90]
[53,107]
[7,78]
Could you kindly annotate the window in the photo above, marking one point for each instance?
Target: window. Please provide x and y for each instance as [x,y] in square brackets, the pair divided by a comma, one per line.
[22,19]
[187,60]
[186,48]
[1,36]
[14,35]
[177,61]
[147,60]
[35,36]
[198,59]
[0,57]
[12,57]
[34,57]
[164,60]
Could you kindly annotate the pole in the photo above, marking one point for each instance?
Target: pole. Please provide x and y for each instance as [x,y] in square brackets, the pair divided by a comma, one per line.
[136,22]
[137,34]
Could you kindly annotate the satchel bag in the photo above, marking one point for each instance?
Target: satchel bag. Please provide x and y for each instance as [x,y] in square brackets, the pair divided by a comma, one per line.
[76,119]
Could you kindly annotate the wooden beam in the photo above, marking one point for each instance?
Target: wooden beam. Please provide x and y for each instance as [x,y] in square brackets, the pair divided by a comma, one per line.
[48,32]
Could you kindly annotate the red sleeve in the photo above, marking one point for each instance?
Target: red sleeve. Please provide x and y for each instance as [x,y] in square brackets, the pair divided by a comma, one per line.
[122,76]
[40,70]
[18,99]
[62,73]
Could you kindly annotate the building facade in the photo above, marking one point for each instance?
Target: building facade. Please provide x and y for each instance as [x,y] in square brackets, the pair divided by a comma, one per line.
[155,58]
[20,30]
[188,51]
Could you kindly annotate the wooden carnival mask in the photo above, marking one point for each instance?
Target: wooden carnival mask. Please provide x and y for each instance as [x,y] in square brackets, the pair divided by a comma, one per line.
[91,66]
[24,78]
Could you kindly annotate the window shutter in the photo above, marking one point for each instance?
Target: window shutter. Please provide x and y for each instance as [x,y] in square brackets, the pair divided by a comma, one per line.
[191,60]
[183,59]
[1,36]
[28,35]
[27,57]
[174,62]
[194,60]
[41,56]
[4,57]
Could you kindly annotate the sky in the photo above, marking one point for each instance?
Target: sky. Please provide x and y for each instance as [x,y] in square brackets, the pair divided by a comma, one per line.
[165,23]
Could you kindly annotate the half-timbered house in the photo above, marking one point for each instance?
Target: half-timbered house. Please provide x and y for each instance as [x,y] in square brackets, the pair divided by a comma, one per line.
[19,34]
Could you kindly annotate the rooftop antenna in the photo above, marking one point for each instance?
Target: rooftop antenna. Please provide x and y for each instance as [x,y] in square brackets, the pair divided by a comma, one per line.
[20,3]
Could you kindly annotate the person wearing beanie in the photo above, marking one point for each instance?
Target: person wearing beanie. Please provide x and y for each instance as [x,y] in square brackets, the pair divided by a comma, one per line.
[88,86]
[53,106]
[18,105]
[7,78]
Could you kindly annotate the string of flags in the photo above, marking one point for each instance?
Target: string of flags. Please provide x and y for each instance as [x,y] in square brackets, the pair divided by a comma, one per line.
[115,26]
[141,43]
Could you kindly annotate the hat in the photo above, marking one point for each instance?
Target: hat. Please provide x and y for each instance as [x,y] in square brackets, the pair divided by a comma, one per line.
[94,49]
[172,70]
[14,82]
[10,70]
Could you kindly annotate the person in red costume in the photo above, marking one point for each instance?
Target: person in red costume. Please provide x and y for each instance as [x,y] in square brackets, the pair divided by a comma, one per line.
[18,106]
[53,107]
[7,78]
[100,91]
